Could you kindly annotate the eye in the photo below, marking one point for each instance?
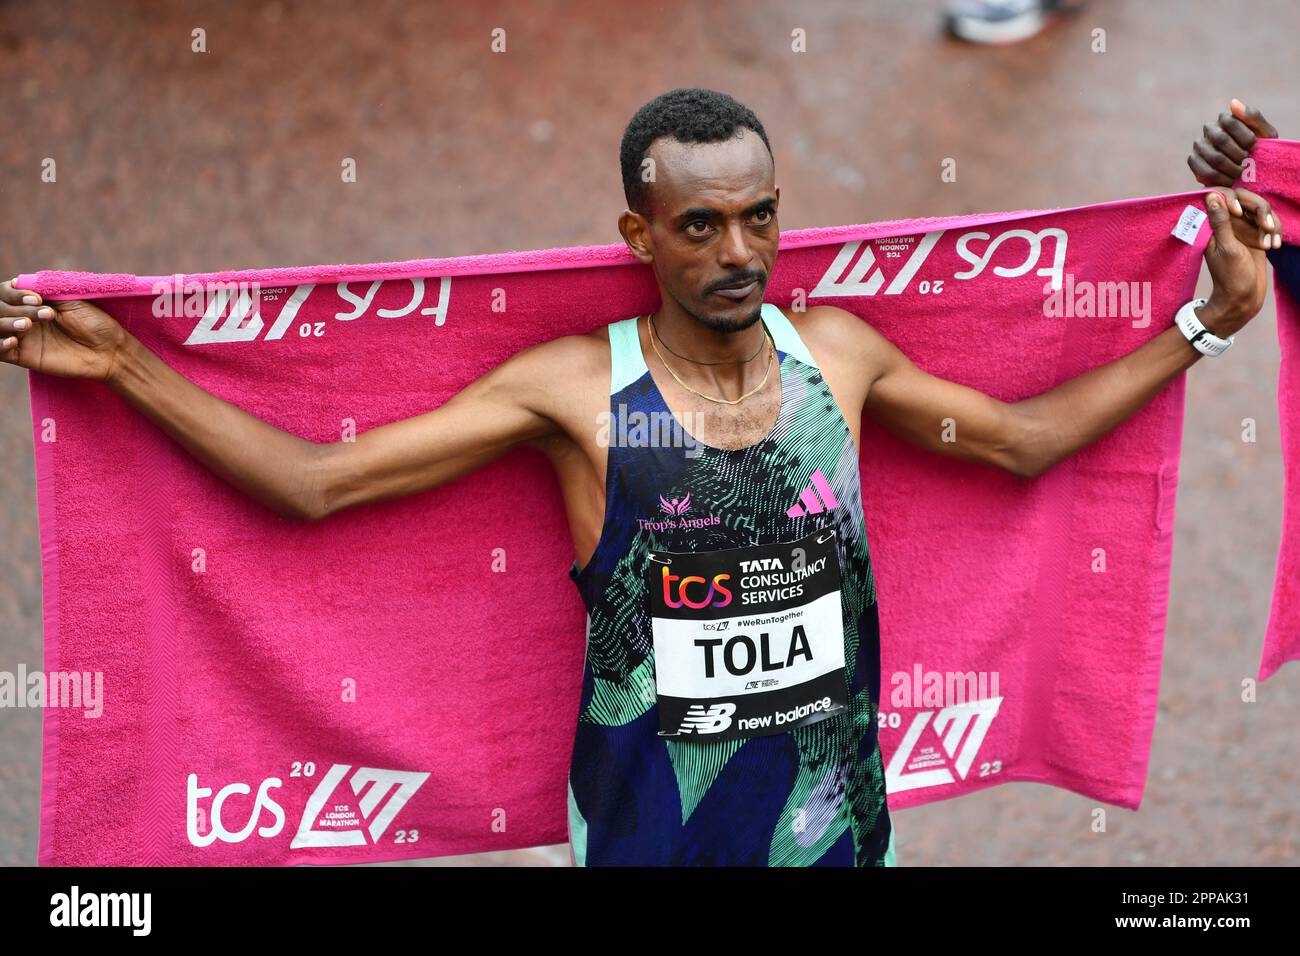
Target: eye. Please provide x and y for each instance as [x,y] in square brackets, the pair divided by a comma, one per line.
[765,217]
[698,222]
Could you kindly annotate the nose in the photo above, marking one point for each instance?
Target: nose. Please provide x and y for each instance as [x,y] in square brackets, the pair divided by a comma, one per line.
[734,252]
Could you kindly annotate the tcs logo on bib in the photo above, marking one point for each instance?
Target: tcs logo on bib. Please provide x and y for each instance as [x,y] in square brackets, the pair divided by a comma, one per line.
[713,598]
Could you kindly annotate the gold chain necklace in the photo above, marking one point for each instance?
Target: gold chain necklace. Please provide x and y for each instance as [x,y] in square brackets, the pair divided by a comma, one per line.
[698,362]
[771,353]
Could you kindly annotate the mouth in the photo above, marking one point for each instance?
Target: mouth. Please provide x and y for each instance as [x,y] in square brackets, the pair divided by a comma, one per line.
[738,292]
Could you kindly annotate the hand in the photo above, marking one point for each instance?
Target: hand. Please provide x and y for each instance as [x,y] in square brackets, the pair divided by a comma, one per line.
[71,339]
[1235,257]
[1216,157]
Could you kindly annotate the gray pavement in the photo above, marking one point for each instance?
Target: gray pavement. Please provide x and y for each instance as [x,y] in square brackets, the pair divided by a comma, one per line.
[171,160]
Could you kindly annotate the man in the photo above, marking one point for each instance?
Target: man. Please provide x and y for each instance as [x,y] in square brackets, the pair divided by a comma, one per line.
[680,755]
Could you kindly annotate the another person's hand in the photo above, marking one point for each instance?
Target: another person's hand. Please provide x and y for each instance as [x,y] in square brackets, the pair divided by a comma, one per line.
[73,339]
[1235,257]
[1216,157]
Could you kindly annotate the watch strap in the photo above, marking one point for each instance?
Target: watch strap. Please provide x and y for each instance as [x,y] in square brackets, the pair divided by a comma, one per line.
[1202,339]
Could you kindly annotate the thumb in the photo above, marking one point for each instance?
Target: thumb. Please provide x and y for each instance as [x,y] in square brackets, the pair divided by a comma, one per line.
[71,305]
[71,313]
[1252,118]
[1220,219]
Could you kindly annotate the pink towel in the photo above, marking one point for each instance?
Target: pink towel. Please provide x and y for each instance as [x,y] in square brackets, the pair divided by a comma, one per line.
[1277,178]
[368,687]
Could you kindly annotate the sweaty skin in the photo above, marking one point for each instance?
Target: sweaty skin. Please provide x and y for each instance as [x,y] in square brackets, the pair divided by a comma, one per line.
[712,223]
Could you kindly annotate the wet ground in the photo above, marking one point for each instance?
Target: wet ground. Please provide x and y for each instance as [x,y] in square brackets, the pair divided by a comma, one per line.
[172,160]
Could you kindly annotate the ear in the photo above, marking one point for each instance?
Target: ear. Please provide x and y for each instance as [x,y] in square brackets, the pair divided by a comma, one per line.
[635,230]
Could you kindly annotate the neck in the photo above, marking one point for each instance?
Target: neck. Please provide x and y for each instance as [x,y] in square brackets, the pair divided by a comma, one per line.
[738,360]
[713,344]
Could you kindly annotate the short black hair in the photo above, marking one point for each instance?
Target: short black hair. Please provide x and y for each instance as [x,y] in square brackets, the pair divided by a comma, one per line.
[689,115]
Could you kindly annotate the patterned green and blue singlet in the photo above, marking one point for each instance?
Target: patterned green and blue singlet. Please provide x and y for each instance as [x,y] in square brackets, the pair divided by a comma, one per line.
[812,796]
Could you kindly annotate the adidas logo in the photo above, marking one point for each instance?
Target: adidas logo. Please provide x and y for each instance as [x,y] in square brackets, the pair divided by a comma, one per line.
[809,503]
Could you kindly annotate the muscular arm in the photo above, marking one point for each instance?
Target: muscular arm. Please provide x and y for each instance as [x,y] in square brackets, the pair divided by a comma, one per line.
[1025,437]
[303,479]
[915,405]
[1030,436]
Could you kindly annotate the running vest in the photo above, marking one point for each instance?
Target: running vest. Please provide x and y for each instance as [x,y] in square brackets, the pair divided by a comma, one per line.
[732,669]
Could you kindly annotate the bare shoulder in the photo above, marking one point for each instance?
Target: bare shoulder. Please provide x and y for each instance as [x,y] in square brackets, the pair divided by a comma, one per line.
[567,359]
[840,339]
[565,378]
[826,325]
[850,353]
[581,353]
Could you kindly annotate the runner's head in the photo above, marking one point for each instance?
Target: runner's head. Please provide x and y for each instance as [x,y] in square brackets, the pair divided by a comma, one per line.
[699,177]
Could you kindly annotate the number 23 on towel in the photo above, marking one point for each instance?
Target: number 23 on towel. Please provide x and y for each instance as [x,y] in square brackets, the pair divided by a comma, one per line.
[748,641]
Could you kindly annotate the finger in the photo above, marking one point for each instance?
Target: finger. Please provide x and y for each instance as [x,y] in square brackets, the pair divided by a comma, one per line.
[1205,173]
[15,325]
[1221,163]
[10,295]
[1241,134]
[1262,214]
[1215,137]
[1220,220]
[1253,118]
[31,312]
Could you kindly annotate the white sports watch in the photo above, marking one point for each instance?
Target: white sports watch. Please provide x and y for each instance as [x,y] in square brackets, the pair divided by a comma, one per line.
[1205,341]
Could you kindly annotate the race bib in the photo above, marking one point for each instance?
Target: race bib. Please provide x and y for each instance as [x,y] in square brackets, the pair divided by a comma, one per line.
[748,641]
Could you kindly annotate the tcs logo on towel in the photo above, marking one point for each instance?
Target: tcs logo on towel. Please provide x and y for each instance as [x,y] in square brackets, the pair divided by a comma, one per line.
[232,314]
[331,818]
[861,267]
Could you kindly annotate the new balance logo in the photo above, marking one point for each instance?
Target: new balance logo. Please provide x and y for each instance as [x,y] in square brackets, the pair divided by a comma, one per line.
[809,502]
[713,719]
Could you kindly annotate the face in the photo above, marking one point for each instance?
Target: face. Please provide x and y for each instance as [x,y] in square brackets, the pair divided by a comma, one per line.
[712,225]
